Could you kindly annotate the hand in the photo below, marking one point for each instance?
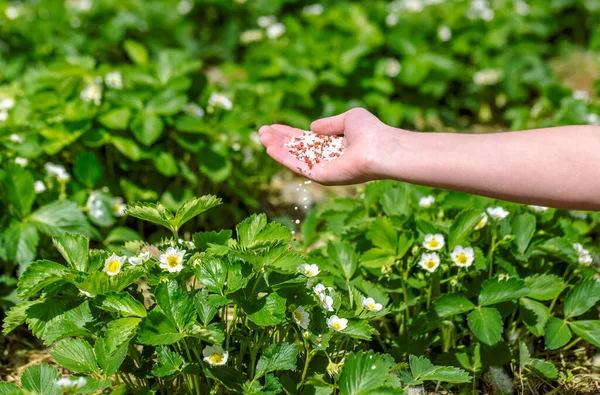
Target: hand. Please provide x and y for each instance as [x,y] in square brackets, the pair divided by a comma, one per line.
[366,141]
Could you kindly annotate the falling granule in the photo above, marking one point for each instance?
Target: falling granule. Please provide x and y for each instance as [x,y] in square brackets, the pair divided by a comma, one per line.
[312,148]
[297,222]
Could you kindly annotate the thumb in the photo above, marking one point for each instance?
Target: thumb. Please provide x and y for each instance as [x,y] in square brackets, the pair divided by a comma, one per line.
[337,123]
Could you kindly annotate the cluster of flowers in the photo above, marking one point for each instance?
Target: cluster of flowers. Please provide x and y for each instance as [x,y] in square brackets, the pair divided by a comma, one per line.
[5,105]
[93,92]
[272,29]
[171,260]
[335,323]
[57,171]
[96,209]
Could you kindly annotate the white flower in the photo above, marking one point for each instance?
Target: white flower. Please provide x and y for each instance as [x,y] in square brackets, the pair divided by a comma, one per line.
[15,138]
[118,207]
[219,100]
[141,258]
[113,264]
[581,95]
[92,94]
[391,20]
[310,270]
[266,20]
[194,110]
[392,67]
[57,171]
[184,7]
[487,77]
[538,209]
[21,161]
[430,262]
[521,8]
[319,289]
[114,80]
[444,33]
[326,302]
[426,201]
[250,36]
[592,119]
[69,384]
[370,305]
[482,222]
[583,256]
[433,242]
[89,295]
[313,9]
[462,257]
[39,186]
[172,260]
[336,323]
[7,103]
[79,5]
[301,317]
[3,115]
[215,355]
[275,31]
[498,213]
[11,13]
[414,5]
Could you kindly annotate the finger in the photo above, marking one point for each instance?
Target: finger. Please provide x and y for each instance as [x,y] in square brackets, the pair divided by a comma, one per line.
[329,125]
[288,130]
[276,149]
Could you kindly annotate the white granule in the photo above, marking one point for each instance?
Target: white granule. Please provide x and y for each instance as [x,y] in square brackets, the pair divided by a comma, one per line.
[312,148]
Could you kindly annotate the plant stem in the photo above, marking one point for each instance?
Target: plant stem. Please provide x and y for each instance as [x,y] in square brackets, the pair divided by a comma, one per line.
[307,360]
[568,346]
[492,248]
[231,325]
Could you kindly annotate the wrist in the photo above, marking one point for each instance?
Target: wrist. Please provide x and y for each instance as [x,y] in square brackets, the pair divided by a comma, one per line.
[397,156]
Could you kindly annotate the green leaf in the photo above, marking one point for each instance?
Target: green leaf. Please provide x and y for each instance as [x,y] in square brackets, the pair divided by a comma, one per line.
[582,297]
[156,330]
[342,255]
[383,235]
[588,330]
[545,368]
[557,333]
[57,318]
[535,315]
[423,370]
[176,304]
[365,373]
[41,380]
[21,240]
[203,239]
[395,201]
[16,316]
[358,329]
[169,362]
[136,52]
[281,259]
[151,212]
[122,303]
[74,248]
[229,377]
[212,273]
[267,311]
[557,248]
[495,291]
[462,226]
[109,362]
[18,185]
[165,163]
[167,102]
[38,276]
[98,283]
[87,169]
[193,208]
[523,227]
[205,308]
[281,356]
[127,147]
[486,324]
[147,128]
[450,304]
[120,332]
[94,386]
[76,355]
[255,233]
[61,216]
[10,389]
[543,286]
[249,228]
[121,234]
[117,118]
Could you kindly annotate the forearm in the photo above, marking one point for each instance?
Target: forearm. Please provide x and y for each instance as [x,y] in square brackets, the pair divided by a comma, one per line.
[557,167]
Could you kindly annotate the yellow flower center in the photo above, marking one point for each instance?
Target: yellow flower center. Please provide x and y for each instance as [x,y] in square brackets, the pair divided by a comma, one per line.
[433,243]
[114,266]
[480,224]
[173,261]
[298,316]
[116,207]
[430,264]
[336,325]
[216,358]
[308,272]
[371,306]
[462,259]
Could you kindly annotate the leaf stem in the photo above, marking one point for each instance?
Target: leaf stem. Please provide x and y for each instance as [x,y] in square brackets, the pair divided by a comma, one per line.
[492,249]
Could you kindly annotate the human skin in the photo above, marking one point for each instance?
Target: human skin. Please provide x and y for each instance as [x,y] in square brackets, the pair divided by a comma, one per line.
[556,167]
